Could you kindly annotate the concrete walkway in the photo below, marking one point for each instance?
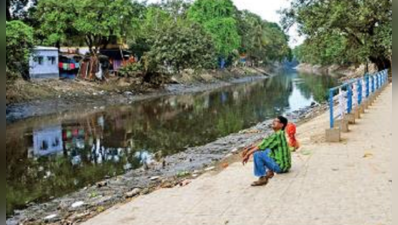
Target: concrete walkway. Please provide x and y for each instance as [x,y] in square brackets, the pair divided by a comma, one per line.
[348,183]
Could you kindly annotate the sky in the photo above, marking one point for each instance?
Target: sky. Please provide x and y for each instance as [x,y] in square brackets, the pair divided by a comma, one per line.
[268,10]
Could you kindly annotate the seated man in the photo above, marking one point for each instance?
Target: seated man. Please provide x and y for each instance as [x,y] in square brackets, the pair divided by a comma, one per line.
[272,155]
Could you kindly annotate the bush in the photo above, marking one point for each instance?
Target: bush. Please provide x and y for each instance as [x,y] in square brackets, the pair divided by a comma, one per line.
[131,70]
[19,44]
[10,75]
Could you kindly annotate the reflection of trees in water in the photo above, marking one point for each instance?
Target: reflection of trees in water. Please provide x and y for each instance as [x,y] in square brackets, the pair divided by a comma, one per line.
[316,86]
[177,122]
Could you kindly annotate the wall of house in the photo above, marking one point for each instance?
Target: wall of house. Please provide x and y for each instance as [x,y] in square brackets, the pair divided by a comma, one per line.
[42,65]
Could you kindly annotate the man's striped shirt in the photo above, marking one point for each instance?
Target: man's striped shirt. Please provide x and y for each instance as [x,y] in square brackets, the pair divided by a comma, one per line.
[279,149]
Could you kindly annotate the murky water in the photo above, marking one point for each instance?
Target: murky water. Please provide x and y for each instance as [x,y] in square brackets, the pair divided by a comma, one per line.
[56,155]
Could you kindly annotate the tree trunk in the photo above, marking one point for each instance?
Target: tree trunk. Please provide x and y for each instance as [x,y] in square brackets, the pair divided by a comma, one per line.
[367,67]
[58,45]
[89,43]
[105,42]
[8,11]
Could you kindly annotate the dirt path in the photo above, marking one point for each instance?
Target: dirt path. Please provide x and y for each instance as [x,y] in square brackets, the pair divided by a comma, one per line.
[348,183]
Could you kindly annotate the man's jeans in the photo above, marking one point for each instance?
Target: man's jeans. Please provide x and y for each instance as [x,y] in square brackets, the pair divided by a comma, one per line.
[264,163]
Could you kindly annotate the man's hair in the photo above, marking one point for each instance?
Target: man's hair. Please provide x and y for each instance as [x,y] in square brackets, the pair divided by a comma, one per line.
[284,121]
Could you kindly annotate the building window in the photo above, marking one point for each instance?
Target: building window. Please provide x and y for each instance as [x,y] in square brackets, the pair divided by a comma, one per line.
[52,60]
[39,60]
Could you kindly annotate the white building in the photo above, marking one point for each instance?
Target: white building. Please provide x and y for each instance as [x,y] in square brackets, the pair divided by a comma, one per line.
[43,63]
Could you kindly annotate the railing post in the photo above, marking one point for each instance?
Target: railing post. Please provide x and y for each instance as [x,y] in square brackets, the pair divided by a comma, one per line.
[359,84]
[349,96]
[363,88]
[376,82]
[331,105]
[384,77]
[367,86]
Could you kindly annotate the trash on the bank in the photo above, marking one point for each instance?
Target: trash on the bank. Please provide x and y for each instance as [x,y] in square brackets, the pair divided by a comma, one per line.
[51,217]
[134,192]
[228,156]
[367,155]
[102,184]
[185,183]
[155,178]
[209,168]
[183,174]
[77,204]
[235,151]
[167,184]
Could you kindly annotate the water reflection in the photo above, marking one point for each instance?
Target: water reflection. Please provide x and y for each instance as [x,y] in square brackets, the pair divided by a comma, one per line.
[59,157]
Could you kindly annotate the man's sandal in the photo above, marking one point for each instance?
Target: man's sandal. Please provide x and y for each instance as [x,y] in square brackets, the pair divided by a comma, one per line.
[270,175]
[261,182]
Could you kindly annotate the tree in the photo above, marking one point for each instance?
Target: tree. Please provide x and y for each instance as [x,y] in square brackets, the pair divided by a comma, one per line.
[277,47]
[262,40]
[327,50]
[359,23]
[219,20]
[224,34]
[182,46]
[19,43]
[152,21]
[96,22]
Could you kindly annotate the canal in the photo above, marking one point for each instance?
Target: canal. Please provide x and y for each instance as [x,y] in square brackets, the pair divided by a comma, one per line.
[53,156]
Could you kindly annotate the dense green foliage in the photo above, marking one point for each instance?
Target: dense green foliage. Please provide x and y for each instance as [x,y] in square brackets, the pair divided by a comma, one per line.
[19,43]
[173,34]
[182,47]
[262,40]
[343,32]
[219,20]
[94,22]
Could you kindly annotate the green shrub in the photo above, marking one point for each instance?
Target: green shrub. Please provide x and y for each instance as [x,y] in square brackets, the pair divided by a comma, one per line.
[131,70]
[19,44]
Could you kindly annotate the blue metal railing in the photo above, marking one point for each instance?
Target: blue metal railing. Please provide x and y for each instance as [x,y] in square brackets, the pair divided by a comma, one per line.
[360,91]
[372,83]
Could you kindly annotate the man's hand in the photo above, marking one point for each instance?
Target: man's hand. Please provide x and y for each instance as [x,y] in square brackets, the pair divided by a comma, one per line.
[250,152]
[245,159]
[244,153]
[247,150]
